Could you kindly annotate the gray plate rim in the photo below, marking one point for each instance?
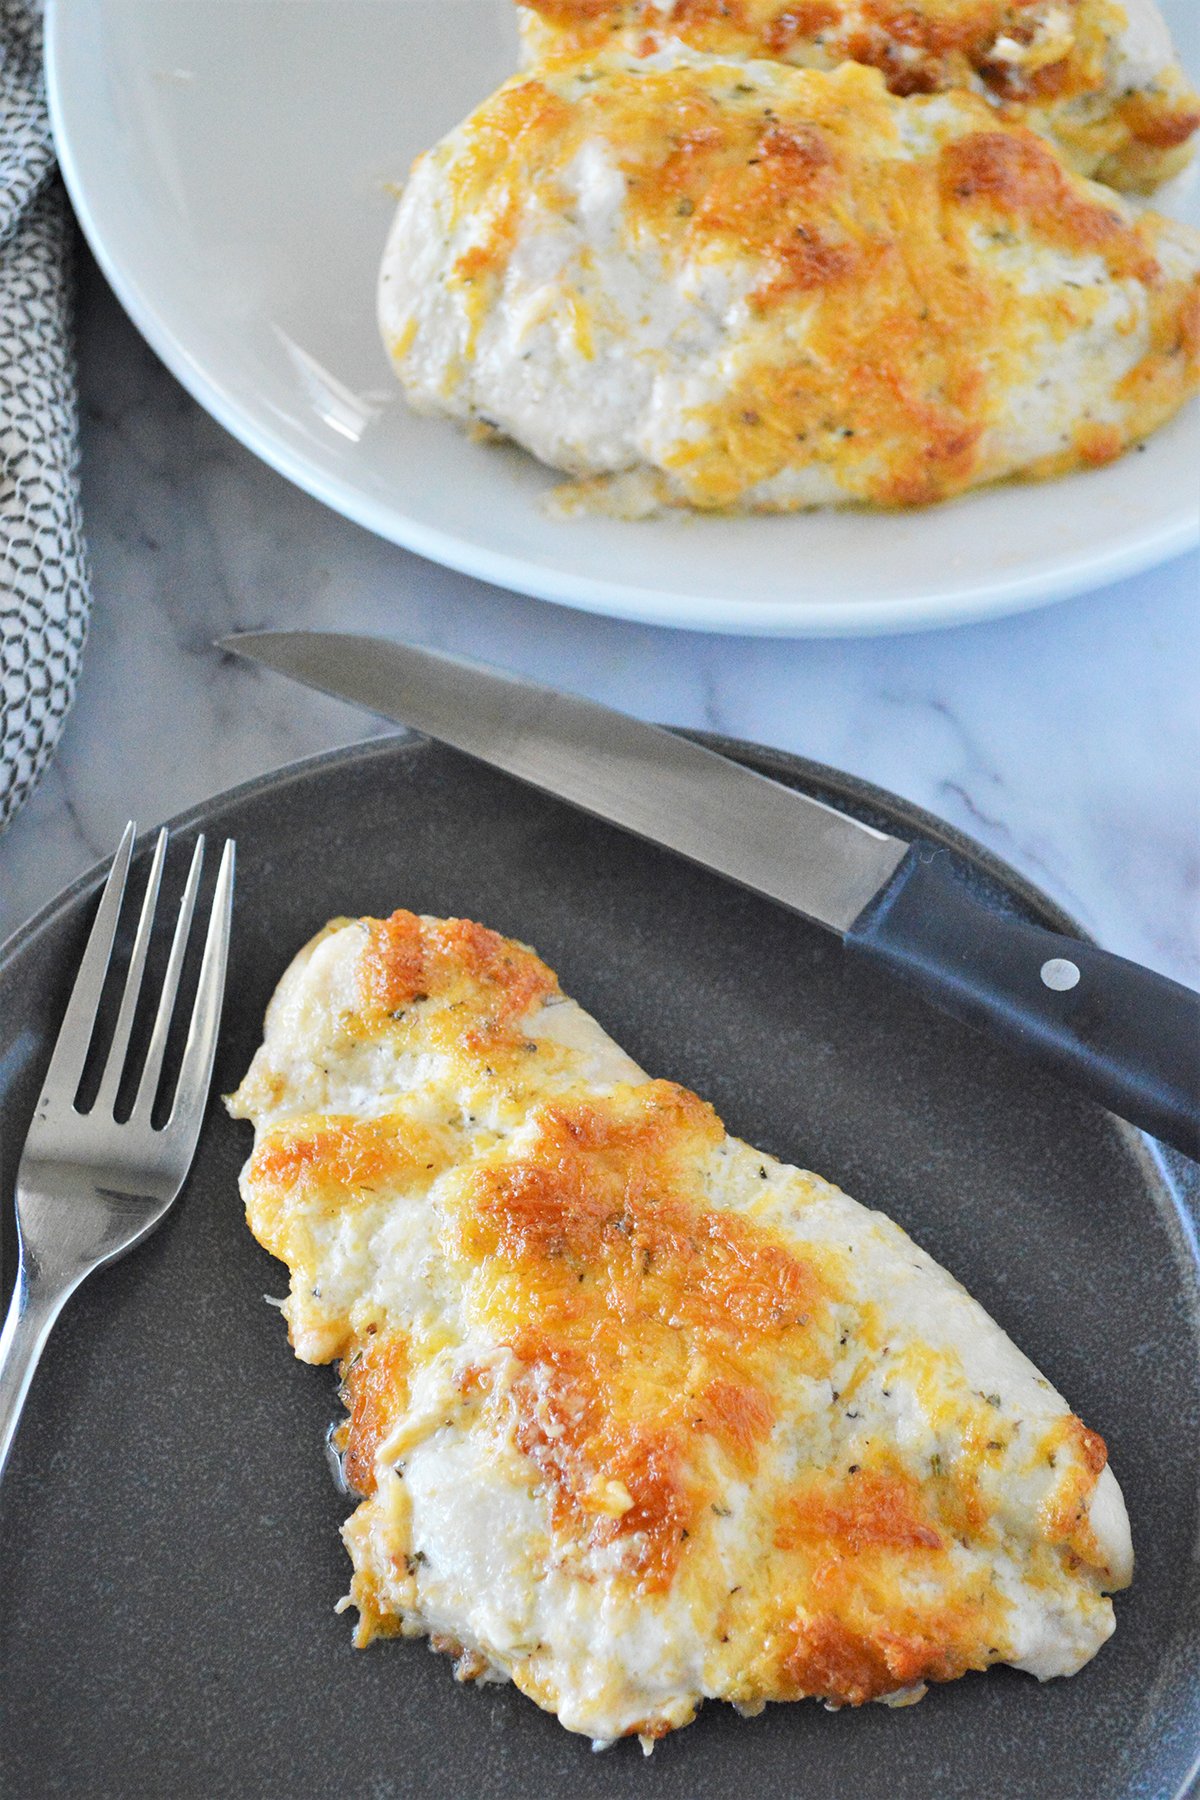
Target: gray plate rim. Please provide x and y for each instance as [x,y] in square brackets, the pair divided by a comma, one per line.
[853,792]
[1175,1179]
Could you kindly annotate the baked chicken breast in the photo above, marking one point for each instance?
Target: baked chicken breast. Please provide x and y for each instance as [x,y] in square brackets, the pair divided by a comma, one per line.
[743,285]
[637,1415]
[1099,76]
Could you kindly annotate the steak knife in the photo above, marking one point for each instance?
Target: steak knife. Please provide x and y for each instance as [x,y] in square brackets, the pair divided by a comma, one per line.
[1125,1036]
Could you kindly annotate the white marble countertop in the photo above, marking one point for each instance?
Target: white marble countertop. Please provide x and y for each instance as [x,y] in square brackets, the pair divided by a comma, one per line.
[1067,740]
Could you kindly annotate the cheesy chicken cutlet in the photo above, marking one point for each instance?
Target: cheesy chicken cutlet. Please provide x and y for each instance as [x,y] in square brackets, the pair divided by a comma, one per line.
[689,281]
[637,1415]
[1098,76]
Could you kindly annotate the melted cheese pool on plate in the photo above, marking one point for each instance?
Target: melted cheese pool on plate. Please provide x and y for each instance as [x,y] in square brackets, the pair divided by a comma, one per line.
[638,1415]
[745,286]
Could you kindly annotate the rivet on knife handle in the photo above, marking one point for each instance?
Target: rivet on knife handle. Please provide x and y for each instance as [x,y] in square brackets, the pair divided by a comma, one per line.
[1125,1035]
[1128,1038]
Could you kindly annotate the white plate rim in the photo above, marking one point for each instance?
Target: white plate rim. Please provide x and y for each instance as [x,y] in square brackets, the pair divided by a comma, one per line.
[1065,577]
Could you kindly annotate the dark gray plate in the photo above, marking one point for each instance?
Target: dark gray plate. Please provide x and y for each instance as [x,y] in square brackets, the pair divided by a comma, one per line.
[170,1558]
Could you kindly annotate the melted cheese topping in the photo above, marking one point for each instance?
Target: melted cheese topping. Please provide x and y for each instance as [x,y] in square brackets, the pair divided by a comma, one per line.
[638,1415]
[758,287]
[1100,76]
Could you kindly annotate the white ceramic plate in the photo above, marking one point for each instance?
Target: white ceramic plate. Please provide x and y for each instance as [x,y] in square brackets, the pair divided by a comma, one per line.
[230,162]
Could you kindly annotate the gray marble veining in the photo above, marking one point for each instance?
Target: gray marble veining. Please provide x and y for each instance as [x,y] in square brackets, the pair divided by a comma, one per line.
[1068,740]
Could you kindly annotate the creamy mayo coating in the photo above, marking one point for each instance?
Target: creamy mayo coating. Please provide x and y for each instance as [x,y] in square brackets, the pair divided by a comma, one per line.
[638,1415]
[745,286]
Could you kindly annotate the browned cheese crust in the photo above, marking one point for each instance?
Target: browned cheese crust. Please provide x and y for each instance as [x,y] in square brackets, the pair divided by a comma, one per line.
[677,1358]
[1056,66]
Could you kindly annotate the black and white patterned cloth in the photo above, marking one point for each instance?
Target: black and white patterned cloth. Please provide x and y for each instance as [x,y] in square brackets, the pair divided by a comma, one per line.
[43,567]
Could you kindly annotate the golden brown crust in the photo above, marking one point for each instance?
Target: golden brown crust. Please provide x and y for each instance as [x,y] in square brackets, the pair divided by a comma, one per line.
[1159,128]
[375,1389]
[1018,175]
[594,1244]
[1056,64]
[878,266]
[409,960]
[678,1374]
[881,1507]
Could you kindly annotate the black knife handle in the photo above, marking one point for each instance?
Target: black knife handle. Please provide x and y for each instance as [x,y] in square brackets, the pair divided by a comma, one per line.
[1123,1035]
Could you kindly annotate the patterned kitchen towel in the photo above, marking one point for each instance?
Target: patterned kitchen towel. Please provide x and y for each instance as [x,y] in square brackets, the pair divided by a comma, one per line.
[43,567]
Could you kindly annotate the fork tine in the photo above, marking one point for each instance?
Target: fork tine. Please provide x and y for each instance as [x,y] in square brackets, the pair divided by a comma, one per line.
[196,1071]
[152,1068]
[110,1081]
[79,1020]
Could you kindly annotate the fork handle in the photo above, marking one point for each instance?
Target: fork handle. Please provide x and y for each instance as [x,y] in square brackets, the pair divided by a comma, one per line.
[34,1307]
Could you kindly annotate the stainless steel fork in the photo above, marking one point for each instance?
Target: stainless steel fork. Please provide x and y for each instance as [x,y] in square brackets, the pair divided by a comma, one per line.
[90,1188]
